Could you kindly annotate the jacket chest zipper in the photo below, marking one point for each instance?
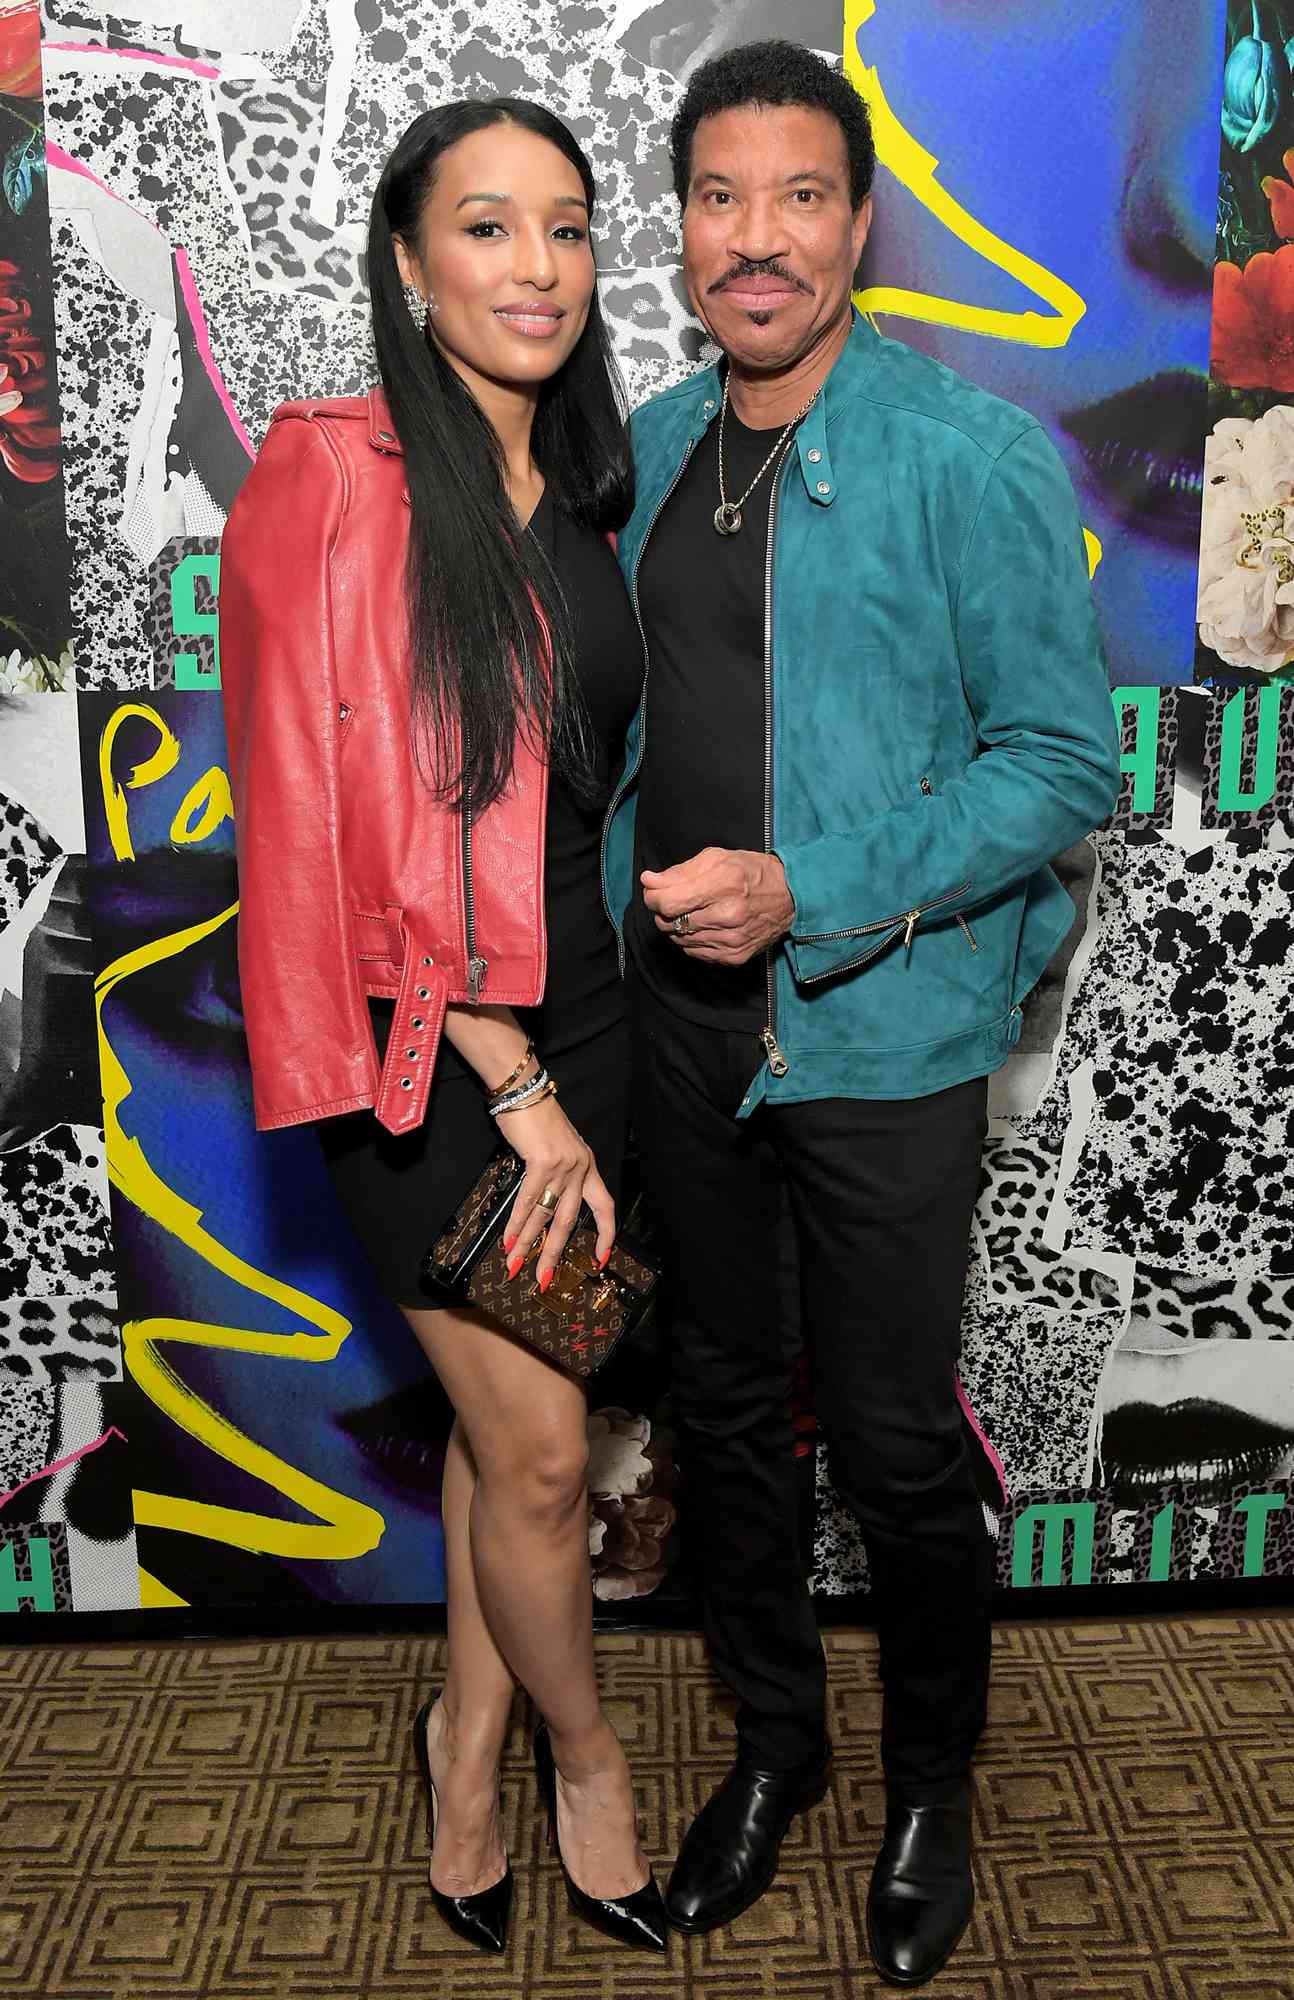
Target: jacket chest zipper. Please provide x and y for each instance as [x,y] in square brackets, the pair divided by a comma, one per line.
[627,776]
[477,967]
[777,1062]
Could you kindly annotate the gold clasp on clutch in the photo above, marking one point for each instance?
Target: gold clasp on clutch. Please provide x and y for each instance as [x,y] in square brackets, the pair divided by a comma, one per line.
[567,1288]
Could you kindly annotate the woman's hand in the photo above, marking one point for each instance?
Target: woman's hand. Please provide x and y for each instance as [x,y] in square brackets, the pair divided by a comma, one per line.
[557,1160]
[557,1163]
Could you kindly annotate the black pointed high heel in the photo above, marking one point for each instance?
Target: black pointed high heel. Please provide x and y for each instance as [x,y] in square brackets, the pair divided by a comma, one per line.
[637,1919]
[481,1919]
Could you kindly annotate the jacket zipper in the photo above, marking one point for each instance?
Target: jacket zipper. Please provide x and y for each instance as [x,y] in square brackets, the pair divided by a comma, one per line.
[627,777]
[967,932]
[884,923]
[777,1063]
[904,920]
[477,967]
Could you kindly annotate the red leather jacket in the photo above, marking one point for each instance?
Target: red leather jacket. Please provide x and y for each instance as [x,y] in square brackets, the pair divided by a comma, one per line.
[354,878]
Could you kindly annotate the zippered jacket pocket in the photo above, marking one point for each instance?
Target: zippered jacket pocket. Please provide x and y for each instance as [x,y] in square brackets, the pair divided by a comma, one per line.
[903,923]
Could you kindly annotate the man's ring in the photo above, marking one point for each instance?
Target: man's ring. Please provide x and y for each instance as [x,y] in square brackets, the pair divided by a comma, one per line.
[548,1200]
[683,924]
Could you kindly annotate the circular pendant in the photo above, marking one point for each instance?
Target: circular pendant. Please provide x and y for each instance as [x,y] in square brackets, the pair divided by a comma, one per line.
[727,519]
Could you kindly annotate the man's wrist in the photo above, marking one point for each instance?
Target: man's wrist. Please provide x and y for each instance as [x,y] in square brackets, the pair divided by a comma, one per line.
[788,924]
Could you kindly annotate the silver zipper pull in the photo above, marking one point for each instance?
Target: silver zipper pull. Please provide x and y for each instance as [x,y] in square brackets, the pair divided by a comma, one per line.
[777,1062]
[476,971]
[912,924]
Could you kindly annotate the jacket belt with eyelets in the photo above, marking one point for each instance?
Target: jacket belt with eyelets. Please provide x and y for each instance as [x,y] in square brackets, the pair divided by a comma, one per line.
[416,1026]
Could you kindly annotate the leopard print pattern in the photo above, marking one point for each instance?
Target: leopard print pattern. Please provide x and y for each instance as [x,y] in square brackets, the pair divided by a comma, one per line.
[16,1594]
[46,1340]
[27,853]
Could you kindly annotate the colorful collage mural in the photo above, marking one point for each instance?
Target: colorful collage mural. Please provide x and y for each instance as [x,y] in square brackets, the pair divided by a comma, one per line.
[203,1400]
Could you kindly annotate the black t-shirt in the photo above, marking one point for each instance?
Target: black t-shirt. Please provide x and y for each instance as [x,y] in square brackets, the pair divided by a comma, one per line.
[701,784]
[582,993]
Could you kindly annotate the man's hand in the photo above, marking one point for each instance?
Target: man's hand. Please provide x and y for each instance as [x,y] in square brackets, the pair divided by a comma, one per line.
[736,902]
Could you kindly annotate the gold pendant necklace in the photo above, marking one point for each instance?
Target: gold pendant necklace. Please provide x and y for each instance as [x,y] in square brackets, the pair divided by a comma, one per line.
[727,515]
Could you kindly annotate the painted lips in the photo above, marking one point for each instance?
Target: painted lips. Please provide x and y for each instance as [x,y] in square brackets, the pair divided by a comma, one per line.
[1193,1442]
[403,1435]
[1145,450]
[535,322]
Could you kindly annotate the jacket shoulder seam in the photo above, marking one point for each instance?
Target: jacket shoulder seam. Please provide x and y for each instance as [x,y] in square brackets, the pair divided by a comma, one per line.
[339,461]
[992,452]
[311,438]
[322,409]
[995,460]
[317,439]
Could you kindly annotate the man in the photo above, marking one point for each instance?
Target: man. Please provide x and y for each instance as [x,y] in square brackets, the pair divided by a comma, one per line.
[876,705]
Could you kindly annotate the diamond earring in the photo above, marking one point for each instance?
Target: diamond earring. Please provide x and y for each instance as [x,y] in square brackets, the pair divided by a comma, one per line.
[420,308]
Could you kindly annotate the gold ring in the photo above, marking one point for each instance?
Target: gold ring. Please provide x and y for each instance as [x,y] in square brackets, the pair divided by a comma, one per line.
[548,1200]
[683,924]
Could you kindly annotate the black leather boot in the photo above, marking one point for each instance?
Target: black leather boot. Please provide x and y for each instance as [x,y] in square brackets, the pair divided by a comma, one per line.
[922,1892]
[729,1854]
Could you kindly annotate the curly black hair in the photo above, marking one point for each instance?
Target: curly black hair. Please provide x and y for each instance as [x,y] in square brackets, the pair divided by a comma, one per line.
[773,72]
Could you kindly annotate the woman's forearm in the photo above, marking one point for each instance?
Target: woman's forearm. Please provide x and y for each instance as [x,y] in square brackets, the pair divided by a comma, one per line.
[491,1041]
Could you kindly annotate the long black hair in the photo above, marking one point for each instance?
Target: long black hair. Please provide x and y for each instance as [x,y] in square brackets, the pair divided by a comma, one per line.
[480,592]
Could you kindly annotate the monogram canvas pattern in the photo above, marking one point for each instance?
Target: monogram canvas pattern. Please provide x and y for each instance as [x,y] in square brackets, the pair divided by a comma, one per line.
[578,1320]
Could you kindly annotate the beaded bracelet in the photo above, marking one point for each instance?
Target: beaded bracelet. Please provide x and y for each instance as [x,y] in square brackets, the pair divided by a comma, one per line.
[502,1089]
[534,1094]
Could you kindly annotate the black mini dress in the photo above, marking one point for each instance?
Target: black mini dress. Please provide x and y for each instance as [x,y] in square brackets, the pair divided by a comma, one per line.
[398,1189]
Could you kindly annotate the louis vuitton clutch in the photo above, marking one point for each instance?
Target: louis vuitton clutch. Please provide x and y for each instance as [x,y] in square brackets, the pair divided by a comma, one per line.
[585,1312]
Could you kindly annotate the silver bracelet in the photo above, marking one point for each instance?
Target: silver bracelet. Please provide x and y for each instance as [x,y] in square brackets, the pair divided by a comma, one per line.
[525,1093]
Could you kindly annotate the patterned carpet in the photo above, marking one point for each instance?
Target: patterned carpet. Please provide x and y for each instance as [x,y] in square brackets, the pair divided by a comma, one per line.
[243,1820]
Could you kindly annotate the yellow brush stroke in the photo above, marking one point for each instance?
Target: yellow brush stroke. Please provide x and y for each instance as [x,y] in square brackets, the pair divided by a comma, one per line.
[211,793]
[163,761]
[349,1527]
[1092,543]
[154,1596]
[917,170]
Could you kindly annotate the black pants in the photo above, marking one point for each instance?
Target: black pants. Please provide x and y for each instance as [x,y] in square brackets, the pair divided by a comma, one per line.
[880,1196]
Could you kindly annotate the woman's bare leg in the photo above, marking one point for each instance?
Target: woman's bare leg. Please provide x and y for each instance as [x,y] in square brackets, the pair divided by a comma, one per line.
[468,1725]
[524,1425]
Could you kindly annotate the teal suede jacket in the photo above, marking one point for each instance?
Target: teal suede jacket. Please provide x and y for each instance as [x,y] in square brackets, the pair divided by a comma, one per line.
[939,722]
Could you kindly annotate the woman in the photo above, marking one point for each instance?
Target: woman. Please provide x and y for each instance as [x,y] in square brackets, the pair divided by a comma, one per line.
[406,868]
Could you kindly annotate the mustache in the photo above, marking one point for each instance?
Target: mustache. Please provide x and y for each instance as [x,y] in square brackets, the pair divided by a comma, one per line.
[769,268]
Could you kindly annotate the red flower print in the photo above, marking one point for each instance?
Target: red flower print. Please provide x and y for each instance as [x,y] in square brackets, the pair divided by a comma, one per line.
[1280,195]
[29,439]
[1253,322]
[20,49]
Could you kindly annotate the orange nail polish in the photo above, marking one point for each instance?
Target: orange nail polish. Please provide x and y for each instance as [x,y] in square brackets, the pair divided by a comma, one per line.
[545,1281]
[514,1265]
[604,1261]
[508,1242]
